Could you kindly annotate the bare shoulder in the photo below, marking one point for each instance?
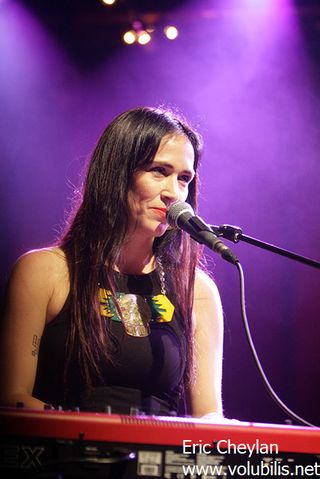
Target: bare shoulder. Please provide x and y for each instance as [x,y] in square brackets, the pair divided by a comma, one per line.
[207,302]
[44,256]
[38,263]
[42,273]
[205,287]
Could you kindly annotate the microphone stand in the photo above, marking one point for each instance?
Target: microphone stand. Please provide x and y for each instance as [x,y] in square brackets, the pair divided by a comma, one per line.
[234,234]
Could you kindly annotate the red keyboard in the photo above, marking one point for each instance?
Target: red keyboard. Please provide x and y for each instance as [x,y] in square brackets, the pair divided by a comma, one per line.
[32,442]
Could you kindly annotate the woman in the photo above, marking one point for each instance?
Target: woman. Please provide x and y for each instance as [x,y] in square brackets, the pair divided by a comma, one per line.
[118,314]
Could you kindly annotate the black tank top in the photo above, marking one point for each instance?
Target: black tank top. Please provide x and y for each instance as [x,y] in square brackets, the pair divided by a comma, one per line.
[145,374]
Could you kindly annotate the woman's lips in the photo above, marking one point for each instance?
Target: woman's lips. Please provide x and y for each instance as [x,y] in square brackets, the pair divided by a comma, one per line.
[161,212]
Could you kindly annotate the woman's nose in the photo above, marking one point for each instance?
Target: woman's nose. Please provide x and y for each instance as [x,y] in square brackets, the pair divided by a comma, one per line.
[171,189]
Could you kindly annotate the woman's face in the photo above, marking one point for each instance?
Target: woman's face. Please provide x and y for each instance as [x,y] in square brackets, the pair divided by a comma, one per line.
[162,183]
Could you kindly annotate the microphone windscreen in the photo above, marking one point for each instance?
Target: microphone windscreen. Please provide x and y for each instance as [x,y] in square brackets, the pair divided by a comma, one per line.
[176,210]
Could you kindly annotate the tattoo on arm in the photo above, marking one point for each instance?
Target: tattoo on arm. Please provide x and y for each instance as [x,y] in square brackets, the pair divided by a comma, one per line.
[35,345]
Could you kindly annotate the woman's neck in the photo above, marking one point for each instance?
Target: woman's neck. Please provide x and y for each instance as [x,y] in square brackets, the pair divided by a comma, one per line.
[136,258]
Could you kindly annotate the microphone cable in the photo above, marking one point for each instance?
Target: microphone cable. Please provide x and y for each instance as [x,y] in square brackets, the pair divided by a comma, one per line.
[263,375]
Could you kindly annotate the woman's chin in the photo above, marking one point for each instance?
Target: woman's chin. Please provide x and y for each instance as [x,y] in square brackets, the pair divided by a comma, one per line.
[150,229]
[161,229]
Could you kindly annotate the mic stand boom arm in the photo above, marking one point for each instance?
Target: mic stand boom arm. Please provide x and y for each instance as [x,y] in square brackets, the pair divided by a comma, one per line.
[234,234]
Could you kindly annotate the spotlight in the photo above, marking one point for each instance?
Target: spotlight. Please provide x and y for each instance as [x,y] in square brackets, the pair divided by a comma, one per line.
[143,37]
[109,2]
[171,32]
[138,34]
[130,37]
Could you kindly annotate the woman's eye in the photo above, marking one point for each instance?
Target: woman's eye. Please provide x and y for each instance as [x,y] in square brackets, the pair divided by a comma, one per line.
[185,178]
[158,169]
[161,171]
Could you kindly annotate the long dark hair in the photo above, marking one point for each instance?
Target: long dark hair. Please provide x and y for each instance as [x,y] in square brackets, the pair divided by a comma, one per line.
[98,227]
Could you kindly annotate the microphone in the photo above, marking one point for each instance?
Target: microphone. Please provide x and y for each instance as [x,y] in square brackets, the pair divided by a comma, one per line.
[181,215]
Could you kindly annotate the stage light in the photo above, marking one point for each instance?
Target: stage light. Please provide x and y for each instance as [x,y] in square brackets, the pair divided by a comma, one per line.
[171,32]
[130,37]
[138,33]
[143,37]
[109,2]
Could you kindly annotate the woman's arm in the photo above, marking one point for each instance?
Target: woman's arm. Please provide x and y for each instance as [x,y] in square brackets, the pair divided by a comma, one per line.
[28,305]
[208,333]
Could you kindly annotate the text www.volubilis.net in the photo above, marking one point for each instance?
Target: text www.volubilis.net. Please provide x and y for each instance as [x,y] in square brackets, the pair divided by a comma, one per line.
[248,470]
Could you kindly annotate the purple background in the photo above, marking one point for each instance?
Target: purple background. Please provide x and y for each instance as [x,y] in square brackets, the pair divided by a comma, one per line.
[247,74]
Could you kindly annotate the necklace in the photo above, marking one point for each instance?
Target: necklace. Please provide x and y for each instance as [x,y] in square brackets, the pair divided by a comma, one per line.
[136,311]
[162,275]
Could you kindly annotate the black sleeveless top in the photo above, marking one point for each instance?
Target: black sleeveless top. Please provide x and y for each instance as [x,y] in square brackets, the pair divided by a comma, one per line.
[145,374]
